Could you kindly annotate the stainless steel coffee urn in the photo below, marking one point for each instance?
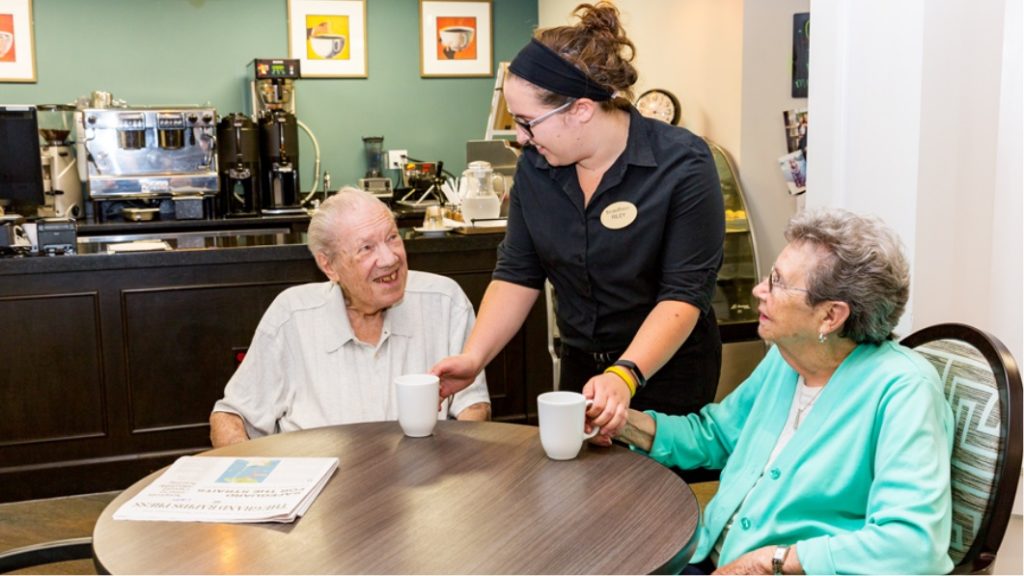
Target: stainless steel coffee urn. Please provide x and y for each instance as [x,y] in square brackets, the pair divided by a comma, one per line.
[238,155]
[62,187]
[279,162]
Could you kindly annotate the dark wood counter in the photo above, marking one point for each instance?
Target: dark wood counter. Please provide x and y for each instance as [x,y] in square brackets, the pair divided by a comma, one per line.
[112,362]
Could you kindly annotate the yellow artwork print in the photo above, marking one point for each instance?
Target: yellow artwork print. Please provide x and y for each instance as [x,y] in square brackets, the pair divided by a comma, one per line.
[327,37]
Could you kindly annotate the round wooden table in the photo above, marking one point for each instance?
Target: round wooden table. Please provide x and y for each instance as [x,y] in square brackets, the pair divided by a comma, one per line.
[477,498]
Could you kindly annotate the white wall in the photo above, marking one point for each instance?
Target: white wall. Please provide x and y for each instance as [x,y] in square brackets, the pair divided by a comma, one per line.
[729,63]
[767,76]
[916,109]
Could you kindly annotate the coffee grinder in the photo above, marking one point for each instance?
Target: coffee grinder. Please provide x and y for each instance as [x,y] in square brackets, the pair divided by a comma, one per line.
[375,182]
[238,155]
[62,187]
[273,101]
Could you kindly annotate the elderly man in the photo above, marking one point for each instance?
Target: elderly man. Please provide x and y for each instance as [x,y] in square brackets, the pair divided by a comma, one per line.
[328,353]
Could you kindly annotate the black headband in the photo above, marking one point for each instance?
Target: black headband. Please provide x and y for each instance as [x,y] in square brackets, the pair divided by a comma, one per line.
[542,66]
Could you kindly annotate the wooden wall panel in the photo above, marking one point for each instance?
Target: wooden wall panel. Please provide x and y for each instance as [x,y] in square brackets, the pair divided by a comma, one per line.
[178,348]
[52,390]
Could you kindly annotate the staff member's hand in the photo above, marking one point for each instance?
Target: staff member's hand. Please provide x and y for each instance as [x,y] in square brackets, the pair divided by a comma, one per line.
[611,401]
[456,373]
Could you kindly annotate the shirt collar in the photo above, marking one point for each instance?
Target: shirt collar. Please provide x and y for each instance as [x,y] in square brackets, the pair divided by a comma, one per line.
[398,320]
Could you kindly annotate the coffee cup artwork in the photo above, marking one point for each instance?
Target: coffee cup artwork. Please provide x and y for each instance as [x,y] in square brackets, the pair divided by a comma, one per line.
[418,396]
[6,43]
[327,46]
[454,39]
[562,416]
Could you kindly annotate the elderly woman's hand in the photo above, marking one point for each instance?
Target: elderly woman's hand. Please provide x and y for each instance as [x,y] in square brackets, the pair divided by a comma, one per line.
[754,562]
[611,401]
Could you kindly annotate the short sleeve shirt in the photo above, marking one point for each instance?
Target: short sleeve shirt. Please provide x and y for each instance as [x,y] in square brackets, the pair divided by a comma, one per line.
[607,280]
[305,367]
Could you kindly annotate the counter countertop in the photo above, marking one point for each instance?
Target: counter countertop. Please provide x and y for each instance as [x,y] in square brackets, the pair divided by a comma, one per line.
[218,247]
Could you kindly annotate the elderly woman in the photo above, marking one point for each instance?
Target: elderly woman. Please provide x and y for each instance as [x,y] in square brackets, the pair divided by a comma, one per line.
[835,451]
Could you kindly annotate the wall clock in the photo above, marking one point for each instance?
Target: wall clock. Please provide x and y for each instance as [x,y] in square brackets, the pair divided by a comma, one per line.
[659,104]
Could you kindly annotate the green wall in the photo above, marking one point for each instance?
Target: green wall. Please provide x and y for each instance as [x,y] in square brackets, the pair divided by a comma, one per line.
[182,52]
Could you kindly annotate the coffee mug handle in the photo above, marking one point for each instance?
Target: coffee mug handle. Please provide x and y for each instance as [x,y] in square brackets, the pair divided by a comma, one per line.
[596,430]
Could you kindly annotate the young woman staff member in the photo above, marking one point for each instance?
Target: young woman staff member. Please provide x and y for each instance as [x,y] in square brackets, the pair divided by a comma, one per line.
[623,214]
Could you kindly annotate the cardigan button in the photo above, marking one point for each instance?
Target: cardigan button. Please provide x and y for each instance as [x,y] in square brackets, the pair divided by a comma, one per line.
[745,523]
[775,473]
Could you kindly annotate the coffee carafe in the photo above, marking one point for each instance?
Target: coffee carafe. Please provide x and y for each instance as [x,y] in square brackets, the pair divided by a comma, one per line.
[238,155]
[477,188]
[279,160]
[62,186]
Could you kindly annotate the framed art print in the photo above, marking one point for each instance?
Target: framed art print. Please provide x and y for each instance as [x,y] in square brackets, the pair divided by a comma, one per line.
[455,38]
[328,37]
[17,44]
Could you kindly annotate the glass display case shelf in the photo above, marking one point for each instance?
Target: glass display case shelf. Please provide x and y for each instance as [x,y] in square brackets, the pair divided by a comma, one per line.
[734,302]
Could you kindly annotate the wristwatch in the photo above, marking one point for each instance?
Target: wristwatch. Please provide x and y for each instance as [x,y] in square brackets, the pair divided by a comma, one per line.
[779,558]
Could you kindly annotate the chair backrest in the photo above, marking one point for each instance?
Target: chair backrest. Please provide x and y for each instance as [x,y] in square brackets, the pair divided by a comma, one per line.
[983,386]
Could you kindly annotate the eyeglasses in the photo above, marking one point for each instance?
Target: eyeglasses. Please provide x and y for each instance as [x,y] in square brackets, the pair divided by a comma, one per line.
[527,126]
[775,282]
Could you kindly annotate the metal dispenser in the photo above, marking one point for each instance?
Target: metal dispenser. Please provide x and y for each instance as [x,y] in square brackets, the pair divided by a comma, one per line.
[273,105]
[238,155]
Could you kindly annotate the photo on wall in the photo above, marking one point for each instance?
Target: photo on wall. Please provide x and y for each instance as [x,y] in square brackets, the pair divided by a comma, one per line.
[801,53]
[328,37]
[455,38]
[794,172]
[795,122]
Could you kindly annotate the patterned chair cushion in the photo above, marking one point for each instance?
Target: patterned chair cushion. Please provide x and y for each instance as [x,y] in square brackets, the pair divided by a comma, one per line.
[971,391]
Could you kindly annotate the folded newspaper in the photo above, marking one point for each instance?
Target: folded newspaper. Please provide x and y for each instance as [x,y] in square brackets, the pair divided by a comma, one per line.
[231,489]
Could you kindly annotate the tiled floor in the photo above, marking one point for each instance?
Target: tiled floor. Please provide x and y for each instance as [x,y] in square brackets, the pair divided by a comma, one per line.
[24,523]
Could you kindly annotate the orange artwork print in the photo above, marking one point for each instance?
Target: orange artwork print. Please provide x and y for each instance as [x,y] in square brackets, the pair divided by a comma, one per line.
[7,52]
[456,38]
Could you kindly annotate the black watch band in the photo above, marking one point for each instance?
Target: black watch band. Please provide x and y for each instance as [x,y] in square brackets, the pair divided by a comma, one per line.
[631,366]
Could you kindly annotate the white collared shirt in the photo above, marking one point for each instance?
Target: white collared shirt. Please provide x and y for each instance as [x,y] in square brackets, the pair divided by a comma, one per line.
[305,368]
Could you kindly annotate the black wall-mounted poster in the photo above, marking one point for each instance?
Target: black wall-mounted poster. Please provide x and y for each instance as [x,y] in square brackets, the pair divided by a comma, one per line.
[801,44]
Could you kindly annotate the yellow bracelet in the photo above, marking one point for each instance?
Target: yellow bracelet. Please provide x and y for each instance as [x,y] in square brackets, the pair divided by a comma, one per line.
[625,376]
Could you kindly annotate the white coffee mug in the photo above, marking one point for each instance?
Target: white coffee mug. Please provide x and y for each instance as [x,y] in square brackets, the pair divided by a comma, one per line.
[562,415]
[418,396]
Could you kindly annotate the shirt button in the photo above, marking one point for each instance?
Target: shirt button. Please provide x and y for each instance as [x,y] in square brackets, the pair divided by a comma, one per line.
[775,473]
[745,523]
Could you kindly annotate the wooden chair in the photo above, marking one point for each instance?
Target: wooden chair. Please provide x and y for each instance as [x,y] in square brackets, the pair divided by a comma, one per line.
[45,553]
[983,386]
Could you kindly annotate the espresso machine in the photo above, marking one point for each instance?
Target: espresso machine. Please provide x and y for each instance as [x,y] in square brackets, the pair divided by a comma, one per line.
[273,101]
[62,187]
[144,162]
[238,155]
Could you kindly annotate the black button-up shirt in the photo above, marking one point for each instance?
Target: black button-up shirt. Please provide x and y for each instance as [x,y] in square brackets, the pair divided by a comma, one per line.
[607,281]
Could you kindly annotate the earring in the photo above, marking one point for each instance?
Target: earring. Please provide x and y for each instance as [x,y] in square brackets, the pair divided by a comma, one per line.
[821,337]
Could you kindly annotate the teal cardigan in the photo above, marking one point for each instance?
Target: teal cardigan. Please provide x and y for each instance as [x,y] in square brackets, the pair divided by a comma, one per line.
[862,487]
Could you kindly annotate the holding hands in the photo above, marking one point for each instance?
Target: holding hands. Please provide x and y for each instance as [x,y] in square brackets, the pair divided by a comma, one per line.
[611,403]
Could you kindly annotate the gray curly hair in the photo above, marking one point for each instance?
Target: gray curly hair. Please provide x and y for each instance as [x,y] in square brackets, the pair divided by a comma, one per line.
[865,268]
[323,226]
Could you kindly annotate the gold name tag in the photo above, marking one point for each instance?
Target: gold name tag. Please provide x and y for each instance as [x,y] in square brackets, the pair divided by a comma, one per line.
[618,215]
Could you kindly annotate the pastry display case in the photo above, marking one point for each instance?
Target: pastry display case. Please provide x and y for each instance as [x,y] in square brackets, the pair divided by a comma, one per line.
[734,302]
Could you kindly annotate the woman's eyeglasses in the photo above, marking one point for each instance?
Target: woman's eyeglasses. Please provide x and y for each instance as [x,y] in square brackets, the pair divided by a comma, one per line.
[774,281]
[527,126]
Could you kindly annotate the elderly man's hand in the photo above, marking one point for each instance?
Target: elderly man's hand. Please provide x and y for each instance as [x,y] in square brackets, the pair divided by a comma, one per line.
[456,373]
[611,401]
